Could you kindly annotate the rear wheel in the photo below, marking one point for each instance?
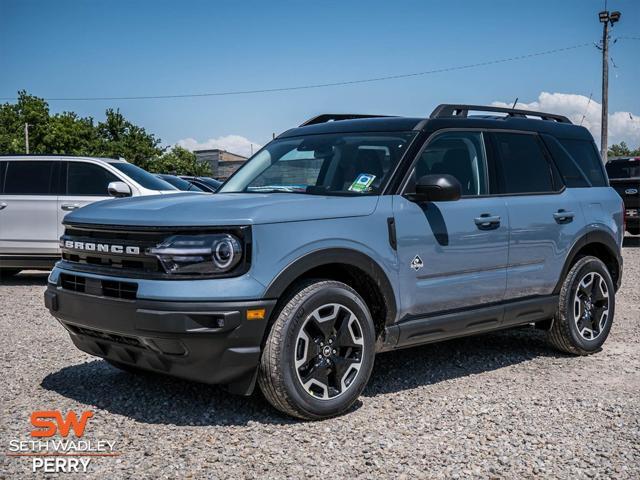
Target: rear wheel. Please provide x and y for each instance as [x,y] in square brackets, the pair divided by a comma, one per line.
[319,353]
[586,308]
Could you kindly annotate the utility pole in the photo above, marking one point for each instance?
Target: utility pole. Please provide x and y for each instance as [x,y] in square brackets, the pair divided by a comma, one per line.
[26,138]
[606,19]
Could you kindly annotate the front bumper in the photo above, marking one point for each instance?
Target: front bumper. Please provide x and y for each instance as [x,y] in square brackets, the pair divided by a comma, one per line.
[210,342]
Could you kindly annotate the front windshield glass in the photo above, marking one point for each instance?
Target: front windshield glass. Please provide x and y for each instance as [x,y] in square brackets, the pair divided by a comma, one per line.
[328,164]
[142,177]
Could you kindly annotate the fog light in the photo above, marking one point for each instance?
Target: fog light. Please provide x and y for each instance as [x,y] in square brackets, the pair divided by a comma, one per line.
[256,314]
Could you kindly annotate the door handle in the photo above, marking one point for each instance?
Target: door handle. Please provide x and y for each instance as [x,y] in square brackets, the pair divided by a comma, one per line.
[487,221]
[3,205]
[70,206]
[562,216]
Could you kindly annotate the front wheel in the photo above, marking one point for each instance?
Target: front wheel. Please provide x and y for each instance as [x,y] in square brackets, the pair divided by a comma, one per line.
[319,353]
[586,308]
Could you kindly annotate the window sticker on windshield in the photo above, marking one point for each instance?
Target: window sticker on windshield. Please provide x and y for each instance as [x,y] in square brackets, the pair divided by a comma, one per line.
[362,183]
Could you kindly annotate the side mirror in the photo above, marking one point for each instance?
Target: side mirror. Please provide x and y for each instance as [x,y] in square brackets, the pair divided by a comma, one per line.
[119,189]
[437,188]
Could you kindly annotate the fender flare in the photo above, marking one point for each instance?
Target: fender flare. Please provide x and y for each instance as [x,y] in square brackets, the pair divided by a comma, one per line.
[345,256]
[594,237]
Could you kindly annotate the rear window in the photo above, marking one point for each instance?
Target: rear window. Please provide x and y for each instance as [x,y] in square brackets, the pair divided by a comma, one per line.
[571,173]
[522,164]
[30,178]
[142,177]
[622,169]
[586,157]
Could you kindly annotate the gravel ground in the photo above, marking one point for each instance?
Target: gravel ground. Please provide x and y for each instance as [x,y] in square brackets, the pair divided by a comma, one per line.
[501,405]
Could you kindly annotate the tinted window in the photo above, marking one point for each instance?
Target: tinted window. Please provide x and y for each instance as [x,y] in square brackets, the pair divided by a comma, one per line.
[88,179]
[572,174]
[3,165]
[615,169]
[29,178]
[585,155]
[460,154]
[142,177]
[523,166]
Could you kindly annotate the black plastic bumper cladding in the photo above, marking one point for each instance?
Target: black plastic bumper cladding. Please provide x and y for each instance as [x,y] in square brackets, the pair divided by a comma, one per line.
[209,342]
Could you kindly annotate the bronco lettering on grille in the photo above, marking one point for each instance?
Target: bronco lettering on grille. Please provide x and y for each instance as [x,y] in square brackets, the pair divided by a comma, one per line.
[102,247]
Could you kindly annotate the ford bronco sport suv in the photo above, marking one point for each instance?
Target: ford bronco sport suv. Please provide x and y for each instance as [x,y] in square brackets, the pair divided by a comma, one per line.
[346,237]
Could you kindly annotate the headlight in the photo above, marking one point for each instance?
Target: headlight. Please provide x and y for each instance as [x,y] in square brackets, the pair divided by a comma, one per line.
[199,254]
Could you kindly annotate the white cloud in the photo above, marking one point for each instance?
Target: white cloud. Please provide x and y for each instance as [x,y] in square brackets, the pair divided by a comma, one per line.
[623,126]
[231,143]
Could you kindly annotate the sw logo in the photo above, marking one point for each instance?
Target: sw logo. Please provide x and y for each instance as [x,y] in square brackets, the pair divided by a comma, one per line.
[416,263]
[50,422]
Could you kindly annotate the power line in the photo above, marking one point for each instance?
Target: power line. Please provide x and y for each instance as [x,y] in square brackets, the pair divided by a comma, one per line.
[322,85]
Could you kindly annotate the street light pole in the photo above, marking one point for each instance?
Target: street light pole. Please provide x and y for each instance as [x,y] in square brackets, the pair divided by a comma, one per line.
[606,19]
[26,138]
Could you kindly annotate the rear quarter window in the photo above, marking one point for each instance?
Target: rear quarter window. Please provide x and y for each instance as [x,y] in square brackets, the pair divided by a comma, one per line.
[571,173]
[585,156]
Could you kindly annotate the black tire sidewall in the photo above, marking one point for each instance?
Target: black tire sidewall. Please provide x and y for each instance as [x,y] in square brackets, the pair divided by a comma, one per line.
[303,400]
[585,266]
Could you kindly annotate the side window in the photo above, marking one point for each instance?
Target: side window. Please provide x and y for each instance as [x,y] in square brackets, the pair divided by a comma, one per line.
[522,164]
[460,154]
[571,173]
[3,165]
[585,155]
[30,178]
[88,179]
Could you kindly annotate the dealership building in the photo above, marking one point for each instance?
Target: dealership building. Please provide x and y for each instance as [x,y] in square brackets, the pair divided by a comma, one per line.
[221,162]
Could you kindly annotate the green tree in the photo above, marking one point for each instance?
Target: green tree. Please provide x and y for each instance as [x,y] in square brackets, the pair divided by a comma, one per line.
[622,150]
[179,161]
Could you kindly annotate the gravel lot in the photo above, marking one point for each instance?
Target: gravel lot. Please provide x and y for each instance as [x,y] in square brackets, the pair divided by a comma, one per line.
[502,405]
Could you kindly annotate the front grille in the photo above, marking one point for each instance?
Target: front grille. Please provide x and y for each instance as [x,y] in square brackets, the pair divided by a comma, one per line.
[102,288]
[132,261]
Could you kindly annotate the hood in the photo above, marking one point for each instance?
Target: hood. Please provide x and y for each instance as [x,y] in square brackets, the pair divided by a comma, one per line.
[193,209]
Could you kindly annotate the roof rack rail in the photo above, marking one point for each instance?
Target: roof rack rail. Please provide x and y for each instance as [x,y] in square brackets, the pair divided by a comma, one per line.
[450,110]
[334,117]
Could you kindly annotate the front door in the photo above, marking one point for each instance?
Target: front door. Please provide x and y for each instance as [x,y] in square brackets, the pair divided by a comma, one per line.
[452,254]
[84,183]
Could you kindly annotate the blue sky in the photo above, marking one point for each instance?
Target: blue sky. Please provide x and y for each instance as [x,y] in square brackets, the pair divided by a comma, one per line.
[124,48]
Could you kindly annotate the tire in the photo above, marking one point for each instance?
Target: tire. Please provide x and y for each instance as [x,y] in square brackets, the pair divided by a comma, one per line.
[319,352]
[580,326]
[9,272]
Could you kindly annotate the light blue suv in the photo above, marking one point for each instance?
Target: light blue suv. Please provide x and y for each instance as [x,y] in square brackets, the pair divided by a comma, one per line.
[349,236]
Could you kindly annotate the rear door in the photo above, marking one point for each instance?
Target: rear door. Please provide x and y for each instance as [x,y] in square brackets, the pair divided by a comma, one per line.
[83,183]
[544,217]
[452,254]
[29,201]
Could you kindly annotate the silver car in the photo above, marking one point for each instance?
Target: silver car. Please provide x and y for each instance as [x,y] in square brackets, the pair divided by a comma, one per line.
[36,192]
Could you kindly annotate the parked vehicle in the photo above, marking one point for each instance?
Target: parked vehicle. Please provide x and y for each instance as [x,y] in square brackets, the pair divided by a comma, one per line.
[206,184]
[36,192]
[346,237]
[179,183]
[624,176]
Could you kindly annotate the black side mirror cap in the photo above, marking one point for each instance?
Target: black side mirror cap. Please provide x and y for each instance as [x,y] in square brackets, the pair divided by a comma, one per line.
[436,188]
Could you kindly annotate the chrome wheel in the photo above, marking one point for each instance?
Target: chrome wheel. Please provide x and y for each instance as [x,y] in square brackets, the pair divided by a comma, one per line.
[591,306]
[329,351]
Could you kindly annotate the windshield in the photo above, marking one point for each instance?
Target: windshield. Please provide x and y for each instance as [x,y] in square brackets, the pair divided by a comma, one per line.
[142,177]
[624,168]
[179,183]
[329,164]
